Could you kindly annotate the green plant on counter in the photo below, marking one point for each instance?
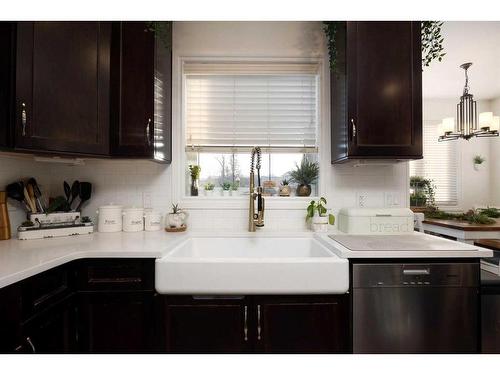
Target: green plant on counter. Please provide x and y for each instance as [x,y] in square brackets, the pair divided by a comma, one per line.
[491,212]
[478,159]
[235,186]
[471,216]
[226,186]
[209,186]
[319,207]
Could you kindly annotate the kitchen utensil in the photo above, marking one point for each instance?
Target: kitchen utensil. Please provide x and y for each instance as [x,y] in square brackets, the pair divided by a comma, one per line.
[85,193]
[67,190]
[152,221]
[15,191]
[38,194]
[133,219]
[75,191]
[109,218]
[28,199]
[4,217]
[58,204]
[31,194]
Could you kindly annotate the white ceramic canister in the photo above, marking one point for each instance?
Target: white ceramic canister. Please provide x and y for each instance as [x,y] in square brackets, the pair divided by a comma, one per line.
[109,218]
[152,221]
[133,219]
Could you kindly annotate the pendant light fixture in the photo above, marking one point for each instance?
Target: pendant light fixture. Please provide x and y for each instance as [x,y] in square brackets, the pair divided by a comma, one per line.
[467,118]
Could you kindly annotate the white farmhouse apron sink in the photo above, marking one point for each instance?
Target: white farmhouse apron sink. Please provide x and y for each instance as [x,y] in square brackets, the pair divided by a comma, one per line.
[251,265]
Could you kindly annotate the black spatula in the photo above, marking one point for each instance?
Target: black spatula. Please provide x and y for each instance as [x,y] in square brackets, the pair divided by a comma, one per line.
[85,193]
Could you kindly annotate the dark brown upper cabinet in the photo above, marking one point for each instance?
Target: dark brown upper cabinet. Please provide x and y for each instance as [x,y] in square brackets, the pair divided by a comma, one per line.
[62,87]
[376,91]
[7,84]
[141,77]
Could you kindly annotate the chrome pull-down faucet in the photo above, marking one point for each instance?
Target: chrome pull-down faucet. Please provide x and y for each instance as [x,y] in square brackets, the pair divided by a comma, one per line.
[255,219]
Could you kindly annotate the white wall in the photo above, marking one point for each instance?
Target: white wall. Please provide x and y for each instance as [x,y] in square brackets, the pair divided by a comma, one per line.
[125,181]
[476,188]
[495,159]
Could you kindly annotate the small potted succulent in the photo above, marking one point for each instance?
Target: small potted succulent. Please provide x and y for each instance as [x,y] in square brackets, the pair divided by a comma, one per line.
[226,188]
[318,217]
[304,175]
[194,171]
[285,189]
[209,189]
[176,220]
[479,162]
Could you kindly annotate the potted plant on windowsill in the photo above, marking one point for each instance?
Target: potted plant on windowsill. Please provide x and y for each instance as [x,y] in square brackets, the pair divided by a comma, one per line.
[304,175]
[318,217]
[226,188]
[194,171]
[285,188]
[479,162]
[209,189]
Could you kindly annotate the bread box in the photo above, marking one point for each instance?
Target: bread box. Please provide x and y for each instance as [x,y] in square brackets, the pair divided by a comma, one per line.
[375,220]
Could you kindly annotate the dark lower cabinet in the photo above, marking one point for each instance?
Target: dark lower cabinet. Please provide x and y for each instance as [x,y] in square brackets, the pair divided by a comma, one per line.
[116,322]
[52,331]
[206,324]
[267,324]
[302,324]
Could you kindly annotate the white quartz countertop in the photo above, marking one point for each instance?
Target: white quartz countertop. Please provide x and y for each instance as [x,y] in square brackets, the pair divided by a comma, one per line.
[22,259]
[415,245]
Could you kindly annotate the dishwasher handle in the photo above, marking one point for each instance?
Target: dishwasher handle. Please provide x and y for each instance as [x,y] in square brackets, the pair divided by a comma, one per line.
[415,272]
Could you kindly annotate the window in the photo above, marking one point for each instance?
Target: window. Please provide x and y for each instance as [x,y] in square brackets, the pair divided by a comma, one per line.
[231,107]
[439,164]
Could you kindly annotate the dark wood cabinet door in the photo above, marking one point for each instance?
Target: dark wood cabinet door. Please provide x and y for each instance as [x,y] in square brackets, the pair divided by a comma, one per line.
[62,87]
[10,318]
[377,92]
[7,82]
[206,325]
[119,322]
[52,331]
[304,324]
[141,92]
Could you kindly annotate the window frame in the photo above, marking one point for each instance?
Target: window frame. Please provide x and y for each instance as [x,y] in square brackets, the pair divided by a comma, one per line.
[179,139]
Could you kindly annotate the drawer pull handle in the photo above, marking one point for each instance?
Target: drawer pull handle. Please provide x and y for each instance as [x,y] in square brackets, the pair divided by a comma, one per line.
[23,118]
[32,346]
[148,137]
[115,280]
[259,328]
[353,129]
[245,326]
[424,271]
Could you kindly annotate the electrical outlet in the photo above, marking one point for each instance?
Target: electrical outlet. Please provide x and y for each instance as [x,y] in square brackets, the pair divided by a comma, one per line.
[392,199]
[146,199]
[361,200]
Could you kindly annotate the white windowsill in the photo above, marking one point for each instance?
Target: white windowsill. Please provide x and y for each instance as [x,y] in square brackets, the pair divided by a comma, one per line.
[241,203]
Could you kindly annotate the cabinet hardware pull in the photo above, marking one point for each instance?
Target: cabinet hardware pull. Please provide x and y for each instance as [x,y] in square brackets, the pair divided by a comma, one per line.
[259,329]
[245,327]
[353,128]
[28,340]
[148,138]
[23,118]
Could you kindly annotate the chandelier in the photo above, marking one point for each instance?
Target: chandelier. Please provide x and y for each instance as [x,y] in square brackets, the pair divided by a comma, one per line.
[467,118]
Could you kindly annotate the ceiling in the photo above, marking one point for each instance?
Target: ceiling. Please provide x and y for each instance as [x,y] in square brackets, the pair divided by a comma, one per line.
[476,42]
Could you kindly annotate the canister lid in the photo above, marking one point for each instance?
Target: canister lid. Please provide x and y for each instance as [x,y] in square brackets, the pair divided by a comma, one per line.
[133,209]
[111,206]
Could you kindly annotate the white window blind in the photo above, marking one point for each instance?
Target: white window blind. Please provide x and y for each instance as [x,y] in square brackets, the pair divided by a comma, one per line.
[234,107]
[439,164]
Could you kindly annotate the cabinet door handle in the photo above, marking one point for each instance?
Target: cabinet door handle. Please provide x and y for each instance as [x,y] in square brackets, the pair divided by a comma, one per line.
[23,118]
[32,346]
[148,138]
[353,129]
[245,326]
[259,328]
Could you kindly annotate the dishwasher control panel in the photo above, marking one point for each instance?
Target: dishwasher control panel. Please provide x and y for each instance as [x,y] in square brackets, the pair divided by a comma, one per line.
[415,274]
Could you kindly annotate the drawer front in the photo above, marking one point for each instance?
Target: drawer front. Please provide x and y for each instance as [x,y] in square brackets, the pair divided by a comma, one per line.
[115,274]
[45,289]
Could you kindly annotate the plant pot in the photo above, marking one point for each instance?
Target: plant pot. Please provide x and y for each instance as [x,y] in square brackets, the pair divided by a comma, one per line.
[304,190]
[235,193]
[209,193]
[176,221]
[285,191]
[225,193]
[478,167]
[319,223]
[194,188]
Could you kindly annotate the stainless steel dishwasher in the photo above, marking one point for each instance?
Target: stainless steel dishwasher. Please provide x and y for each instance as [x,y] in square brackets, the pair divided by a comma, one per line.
[415,308]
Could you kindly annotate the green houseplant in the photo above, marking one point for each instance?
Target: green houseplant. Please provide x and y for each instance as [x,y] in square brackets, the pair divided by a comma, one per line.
[209,188]
[304,175]
[194,171]
[478,162]
[226,187]
[422,192]
[285,189]
[317,215]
